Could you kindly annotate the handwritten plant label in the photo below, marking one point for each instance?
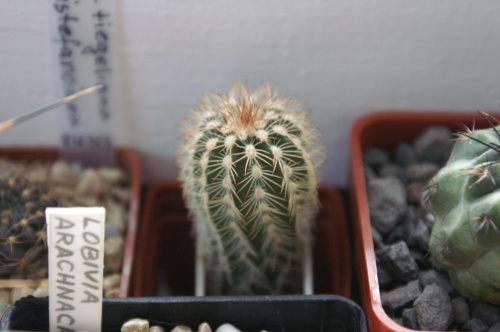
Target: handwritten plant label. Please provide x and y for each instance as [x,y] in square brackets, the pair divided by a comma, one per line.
[76,262]
[83,43]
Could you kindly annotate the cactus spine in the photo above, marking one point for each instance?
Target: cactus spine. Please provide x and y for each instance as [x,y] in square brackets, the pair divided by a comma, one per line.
[465,201]
[249,171]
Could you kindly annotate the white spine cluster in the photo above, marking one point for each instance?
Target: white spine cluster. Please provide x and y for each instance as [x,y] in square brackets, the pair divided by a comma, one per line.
[249,171]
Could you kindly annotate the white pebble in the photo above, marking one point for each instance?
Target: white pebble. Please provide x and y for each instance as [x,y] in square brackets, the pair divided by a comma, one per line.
[18,293]
[181,328]
[41,291]
[227,328]
[204,327]
[136,325]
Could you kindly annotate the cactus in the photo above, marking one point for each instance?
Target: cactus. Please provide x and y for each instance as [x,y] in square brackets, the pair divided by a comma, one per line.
[249,172]
[23,246]
[465,201]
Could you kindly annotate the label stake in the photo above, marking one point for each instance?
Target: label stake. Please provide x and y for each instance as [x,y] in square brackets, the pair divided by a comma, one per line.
[76,263]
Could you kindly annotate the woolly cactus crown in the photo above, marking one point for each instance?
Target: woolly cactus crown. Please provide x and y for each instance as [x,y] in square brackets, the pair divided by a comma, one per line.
[249,165]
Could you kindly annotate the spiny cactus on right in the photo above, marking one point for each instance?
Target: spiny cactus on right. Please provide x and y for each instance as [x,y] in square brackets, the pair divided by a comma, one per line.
[465,201]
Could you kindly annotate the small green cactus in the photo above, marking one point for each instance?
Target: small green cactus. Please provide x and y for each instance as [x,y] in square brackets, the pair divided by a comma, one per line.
[465,201]
[249,171]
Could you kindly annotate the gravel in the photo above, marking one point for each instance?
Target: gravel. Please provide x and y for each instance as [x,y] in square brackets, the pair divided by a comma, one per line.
[433,308]
[415,292]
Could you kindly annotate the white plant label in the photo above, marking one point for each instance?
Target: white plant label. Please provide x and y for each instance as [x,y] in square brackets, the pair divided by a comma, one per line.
[76,263]
[82,40]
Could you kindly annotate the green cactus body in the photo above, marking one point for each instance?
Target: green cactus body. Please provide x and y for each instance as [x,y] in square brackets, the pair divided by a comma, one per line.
[465,201]
[248,167]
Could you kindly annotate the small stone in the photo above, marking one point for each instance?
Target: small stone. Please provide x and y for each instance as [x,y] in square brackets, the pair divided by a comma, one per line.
[460,310]
[475,325]
[387,203]
[204,327]
[398,261]
[123,195]
[112,292]
[112,175]
[402,229]
[422,235]
[181,328]
[378,240]
[369,173]
[433,308]
[427,217]
[401,297]
[110,230]
[375,158]
[91,183]
[37,172]
[398,320]
[227,328]
[63,174]
[410,319]
[20,292]
[432,277]
[409,221]
[424,260]
[156,328]
[4,296]
[434,144]
[3,308]
[65,195]
[486,312]
[117,216]
[111,281]
[393,170]
[135,325]
[414,193]
[384,278]
[41,291]
[86,200]
[422,172]
[405,155]
[113,254]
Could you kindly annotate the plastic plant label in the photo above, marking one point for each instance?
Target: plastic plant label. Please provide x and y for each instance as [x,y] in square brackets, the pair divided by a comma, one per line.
[82,40]
[76,263]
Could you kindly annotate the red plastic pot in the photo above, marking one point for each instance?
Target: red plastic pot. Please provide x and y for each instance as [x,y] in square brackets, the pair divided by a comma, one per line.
[166,246]
[384,130]
[127,159]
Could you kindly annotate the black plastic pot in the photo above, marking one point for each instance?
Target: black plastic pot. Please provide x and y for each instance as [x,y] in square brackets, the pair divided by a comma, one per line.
[247,313]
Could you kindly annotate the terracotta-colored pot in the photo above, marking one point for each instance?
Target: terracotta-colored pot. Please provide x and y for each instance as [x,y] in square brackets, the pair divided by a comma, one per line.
[127,159]
[166,247]
[384,130]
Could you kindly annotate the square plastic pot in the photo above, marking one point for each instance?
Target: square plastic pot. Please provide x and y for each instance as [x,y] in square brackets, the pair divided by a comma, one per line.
[384,130]
[125,158]
[248,313]
[165,254]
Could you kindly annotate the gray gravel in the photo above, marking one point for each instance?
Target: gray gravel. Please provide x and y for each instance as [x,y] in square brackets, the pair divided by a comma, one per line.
[402,297]
[387,203]
[416,292]
[433,308]
[398,261]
